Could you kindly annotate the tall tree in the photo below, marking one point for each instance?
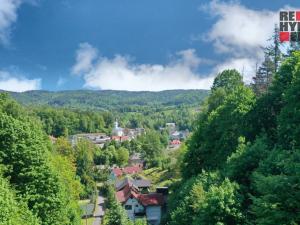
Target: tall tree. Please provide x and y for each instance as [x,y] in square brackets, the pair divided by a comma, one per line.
[272,59]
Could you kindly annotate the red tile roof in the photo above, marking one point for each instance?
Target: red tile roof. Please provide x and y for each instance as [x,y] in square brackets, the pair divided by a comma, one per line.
[126,170]
[145,199]
[175,142]
[132,169]
[126,193]
[118,172]
[120,138]
[151,199]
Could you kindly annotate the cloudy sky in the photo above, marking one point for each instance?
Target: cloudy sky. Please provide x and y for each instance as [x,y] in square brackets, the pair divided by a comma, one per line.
[131,44]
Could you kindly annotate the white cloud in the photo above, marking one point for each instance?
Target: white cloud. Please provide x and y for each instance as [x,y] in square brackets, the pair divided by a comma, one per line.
[120,73]
[8,16]
[240,30]
[246,66]
[240,33]
[9,82]
[85,56]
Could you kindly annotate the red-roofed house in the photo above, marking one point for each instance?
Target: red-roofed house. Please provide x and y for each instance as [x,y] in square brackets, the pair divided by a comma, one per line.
[128,197]
[137,204]
[117,172]
[175,144]
[132,170]
[151,199]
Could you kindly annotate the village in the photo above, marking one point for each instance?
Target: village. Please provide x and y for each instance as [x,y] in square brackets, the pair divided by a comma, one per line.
[137,194]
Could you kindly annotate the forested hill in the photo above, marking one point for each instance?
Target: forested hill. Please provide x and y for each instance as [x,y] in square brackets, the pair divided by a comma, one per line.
[111,100]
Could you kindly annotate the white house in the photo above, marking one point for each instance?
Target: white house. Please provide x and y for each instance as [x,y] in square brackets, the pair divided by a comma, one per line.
[138,205]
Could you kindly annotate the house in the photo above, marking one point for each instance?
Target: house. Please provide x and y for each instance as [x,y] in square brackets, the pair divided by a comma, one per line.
[175,135]
[99,139]
[136,160]
[153,204]
[129,170]
[142,185]
[133,133]
[128,197]
[115,173]
[138,205]
[175,144]
[171,127]
[118,172]
[179,135]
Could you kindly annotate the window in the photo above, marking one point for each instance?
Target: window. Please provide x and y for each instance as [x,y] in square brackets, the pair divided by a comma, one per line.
[136,206]
[128,207]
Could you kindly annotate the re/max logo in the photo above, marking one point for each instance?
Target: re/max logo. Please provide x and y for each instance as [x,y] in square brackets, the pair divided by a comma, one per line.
[289,26]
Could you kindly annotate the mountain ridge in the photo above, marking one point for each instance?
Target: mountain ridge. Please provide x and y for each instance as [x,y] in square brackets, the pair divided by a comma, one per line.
[110,99]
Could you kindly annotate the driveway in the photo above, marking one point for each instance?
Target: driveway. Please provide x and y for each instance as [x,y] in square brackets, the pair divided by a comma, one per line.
[99,212]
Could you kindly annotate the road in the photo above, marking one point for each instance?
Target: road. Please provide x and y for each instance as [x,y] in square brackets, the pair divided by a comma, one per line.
[99,212]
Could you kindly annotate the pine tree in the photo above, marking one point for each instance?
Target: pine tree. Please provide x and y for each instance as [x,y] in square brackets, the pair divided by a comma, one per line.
[273,57]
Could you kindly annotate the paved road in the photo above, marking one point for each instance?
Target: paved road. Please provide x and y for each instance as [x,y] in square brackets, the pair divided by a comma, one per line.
[99,212]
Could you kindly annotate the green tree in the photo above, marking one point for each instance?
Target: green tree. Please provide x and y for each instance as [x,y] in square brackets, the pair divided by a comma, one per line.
[276,183]
[217,132]
[13,211]
[228,79]
[122,156]
[84,153]
[209,200]
[26,157]
[151,148]
[64,147]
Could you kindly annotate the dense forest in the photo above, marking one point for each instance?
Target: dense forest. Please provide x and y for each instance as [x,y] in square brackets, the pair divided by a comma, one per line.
[242,164]
[109,100]
[71,112]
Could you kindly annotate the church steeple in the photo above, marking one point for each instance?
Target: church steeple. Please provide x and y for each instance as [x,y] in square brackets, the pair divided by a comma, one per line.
[116,124]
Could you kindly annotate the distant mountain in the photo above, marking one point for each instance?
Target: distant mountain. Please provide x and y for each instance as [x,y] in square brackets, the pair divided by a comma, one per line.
[112,100]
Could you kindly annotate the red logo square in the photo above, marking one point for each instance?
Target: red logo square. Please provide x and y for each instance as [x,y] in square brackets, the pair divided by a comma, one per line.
[284,36]
[298,15]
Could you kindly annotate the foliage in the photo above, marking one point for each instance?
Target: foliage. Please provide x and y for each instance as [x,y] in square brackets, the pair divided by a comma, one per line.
[208,200]
[252,147]
[218,130]
[277,184]
[107,100]
[84,156]
[63,122]
[228,79]
[13,211]
[27,160]
[122,156]
[151,148]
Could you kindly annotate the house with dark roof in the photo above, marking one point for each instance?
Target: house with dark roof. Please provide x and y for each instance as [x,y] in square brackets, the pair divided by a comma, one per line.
[136,160]
[142,185]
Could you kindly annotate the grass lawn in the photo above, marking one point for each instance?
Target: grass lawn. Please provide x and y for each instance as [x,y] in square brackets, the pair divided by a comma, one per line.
[89,221]
[82,204]
[159,177]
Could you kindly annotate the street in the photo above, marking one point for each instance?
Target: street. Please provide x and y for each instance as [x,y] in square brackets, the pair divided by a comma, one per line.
[99,211]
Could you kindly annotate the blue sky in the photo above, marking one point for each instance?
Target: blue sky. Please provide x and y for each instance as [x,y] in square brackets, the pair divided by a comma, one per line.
[130,44]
